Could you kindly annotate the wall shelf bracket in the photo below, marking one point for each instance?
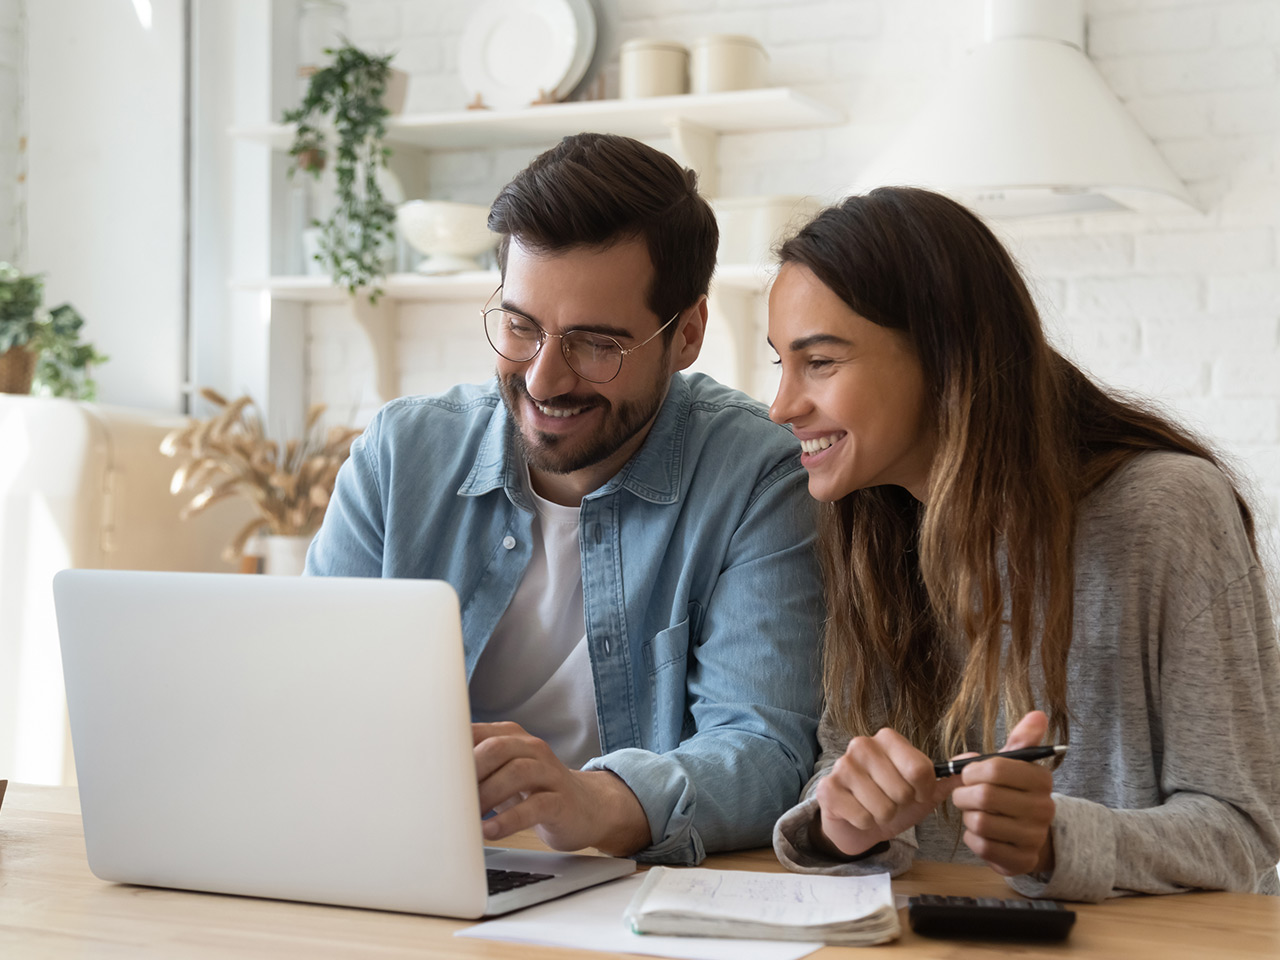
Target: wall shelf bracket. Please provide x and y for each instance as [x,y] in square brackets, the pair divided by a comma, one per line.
[695,147]
[381,322]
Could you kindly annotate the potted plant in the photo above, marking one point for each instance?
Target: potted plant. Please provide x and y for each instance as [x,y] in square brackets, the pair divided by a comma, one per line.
[230,455]
[20,297]
[345,100]
[41,350]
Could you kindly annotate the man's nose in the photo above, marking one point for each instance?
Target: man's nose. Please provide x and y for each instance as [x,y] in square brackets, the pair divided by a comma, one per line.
[549,374]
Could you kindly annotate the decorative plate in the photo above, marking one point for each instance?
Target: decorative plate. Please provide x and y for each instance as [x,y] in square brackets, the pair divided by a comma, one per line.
[514,52]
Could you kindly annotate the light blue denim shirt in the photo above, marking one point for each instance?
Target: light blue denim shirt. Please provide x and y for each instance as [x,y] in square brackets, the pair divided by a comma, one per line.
[701,591]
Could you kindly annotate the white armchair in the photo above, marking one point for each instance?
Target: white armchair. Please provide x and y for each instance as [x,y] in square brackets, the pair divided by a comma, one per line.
[81,485]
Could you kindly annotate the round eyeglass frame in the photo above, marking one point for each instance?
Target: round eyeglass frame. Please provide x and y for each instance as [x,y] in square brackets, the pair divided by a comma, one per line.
[543,337]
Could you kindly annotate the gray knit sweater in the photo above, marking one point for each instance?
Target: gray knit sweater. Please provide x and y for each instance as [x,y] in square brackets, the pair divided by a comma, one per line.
[1172,782]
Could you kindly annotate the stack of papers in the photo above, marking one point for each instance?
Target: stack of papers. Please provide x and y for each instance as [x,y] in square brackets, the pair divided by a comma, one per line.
[592,920]
[765,906]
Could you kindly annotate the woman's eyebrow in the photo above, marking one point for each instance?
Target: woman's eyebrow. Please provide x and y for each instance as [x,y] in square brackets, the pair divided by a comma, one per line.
[816,339]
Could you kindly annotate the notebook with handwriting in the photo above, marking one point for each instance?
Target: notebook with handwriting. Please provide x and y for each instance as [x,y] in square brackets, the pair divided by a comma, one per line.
[764,906]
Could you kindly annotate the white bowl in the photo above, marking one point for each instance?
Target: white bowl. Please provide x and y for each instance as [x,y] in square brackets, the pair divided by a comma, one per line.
[450,235]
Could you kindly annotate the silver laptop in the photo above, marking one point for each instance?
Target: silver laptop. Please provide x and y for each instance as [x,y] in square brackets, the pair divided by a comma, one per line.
[294,738]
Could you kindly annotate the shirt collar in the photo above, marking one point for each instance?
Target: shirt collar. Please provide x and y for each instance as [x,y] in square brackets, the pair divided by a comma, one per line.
[653,473]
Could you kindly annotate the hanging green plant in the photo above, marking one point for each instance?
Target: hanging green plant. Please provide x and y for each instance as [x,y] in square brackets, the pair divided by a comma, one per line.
[345,99]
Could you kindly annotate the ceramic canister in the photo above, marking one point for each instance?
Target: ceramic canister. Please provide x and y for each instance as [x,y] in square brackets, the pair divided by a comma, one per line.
[727,62]
[652,68]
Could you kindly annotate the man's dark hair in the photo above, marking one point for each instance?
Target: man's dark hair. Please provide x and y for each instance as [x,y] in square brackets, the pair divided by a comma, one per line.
[596,189]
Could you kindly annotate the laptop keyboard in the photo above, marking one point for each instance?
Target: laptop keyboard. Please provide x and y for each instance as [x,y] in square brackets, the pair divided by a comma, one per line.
[500,881]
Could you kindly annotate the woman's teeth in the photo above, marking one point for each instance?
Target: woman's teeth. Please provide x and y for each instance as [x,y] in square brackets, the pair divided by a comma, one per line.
[821,443]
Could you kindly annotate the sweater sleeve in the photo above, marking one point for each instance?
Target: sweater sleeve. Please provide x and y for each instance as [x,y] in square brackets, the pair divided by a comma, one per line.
[1218,827]
[793,833]
[1202,631]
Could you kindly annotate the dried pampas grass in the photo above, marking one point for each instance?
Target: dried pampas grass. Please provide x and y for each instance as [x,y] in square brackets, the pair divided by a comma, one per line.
[229,455]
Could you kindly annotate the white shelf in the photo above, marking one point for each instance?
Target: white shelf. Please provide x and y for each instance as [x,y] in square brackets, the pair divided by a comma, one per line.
[395,286]
[740,111]
[457,286]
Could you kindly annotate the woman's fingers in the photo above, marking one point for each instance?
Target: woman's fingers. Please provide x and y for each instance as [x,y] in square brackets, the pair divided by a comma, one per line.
[1007,808]
[1028,732]
[878,788]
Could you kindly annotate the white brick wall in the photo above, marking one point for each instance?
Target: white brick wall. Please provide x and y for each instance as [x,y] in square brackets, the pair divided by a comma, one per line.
[11,125]
[1185,309]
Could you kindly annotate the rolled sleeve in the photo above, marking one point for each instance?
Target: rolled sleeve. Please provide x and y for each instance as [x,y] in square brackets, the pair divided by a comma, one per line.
[668,796]
[796,850]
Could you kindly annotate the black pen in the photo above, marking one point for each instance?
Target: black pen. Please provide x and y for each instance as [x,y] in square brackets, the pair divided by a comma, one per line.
[947,768]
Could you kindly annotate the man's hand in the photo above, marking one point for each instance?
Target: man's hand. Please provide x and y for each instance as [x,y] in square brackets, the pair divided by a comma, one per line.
[1007,807]
[570,809]
[881,786]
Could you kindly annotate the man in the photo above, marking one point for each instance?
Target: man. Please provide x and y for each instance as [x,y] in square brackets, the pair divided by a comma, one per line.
[631,546]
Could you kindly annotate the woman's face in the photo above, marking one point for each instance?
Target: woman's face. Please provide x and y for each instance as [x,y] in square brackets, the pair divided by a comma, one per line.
[853,392]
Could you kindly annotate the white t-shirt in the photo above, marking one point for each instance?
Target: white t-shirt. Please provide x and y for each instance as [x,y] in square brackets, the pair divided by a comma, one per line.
[536,669]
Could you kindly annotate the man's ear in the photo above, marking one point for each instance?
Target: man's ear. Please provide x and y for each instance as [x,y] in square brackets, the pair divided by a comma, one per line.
[691,331]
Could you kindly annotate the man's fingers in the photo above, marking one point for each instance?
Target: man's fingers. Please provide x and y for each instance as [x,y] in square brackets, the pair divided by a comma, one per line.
[483,731]
[521,775]
[528,813]
[501,747]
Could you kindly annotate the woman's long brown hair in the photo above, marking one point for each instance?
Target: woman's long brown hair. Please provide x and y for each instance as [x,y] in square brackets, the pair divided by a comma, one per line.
[921,596]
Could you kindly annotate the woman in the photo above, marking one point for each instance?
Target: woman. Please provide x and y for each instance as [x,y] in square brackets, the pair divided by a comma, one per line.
[1001,534]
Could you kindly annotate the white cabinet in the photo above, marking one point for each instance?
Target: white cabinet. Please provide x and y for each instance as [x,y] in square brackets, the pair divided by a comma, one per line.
[693,123]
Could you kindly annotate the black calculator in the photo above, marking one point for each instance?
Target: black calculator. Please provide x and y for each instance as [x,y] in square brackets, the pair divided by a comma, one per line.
[987,918]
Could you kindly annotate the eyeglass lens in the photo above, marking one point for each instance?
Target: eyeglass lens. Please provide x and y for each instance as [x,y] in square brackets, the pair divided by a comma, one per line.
[591,356]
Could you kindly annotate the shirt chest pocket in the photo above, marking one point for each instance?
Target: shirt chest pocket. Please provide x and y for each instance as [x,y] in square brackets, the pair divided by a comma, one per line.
[667,658]
[668,650]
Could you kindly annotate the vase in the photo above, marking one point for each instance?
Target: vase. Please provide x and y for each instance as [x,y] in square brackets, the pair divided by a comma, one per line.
[17,368]
[284,556]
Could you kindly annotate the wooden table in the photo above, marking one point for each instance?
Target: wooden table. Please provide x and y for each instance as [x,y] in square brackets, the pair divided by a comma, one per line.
[51,906]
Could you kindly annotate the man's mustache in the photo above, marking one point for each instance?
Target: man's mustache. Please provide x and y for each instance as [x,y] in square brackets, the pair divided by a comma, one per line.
[565,401]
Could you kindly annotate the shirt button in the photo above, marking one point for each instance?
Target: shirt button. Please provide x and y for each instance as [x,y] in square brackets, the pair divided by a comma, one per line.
[509,542]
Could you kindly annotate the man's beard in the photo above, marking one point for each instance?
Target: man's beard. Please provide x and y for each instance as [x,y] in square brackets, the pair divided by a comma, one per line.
[554,454]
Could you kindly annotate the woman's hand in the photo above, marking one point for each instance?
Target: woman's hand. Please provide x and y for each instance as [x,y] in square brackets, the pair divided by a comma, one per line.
[881,786]
[1007,807]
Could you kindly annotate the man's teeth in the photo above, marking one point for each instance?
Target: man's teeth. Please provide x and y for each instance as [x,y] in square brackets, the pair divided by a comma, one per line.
[821,443]
[558,411]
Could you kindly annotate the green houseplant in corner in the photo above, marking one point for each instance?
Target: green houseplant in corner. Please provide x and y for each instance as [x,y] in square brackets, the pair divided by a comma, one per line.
[345,100]
[19,304]
[41,350]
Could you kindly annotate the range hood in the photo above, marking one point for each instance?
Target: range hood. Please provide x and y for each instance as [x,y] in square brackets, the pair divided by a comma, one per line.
[1027,127]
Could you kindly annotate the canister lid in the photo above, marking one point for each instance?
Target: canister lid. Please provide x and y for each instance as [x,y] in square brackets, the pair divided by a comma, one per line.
[728,39]
[652,43]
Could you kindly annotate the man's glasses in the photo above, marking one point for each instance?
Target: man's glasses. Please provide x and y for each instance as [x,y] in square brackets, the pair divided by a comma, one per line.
[592,356]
